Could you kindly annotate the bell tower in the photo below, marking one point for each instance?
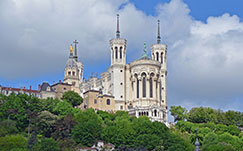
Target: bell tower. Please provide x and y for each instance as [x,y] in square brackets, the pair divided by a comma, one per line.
[118,48]
[117,68]
[158,53]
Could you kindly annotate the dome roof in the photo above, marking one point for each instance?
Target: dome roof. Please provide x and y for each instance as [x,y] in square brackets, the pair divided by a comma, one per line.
[145,57]
[71,63]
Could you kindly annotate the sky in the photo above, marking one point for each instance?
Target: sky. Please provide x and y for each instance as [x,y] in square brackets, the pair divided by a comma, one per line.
[204,38]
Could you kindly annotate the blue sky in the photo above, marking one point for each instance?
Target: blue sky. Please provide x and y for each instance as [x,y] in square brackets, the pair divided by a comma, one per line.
[204,39]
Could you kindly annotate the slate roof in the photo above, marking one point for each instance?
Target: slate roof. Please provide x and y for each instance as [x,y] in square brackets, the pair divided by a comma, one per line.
[44,87]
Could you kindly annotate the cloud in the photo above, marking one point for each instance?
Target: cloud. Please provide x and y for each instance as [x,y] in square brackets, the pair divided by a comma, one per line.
[204,59]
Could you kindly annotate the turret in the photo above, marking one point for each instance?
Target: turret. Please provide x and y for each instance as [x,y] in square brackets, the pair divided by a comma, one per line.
[71,70]
[158,51]
[118,48]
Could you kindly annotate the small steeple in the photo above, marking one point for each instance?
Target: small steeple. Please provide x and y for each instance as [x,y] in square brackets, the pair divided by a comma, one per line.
[158,37]
[71,50]
[117,27]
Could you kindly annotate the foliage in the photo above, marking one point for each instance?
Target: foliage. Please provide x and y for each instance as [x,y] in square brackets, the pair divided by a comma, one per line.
[178,112]
[8,127]
[45,124]
[88,128]
[13,142]
[46,144]
[63,108]
[63,127]
[73,98]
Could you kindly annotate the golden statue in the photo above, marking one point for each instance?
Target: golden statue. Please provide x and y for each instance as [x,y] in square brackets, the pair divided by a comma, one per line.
[71,48]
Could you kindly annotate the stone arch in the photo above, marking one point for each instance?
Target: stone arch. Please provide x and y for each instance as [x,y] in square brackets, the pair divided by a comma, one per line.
[157,56]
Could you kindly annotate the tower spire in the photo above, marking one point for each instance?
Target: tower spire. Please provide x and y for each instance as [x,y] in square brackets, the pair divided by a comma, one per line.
[117,27]
[75,48]
[158,37]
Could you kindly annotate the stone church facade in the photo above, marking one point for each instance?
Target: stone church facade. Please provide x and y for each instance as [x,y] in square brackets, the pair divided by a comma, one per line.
[138,87]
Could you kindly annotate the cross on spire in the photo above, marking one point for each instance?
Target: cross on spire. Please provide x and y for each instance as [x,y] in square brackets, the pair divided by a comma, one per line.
[117,27]
[158,37]
[75,48]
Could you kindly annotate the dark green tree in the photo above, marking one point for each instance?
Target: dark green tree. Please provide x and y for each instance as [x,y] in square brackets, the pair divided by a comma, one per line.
[72,97]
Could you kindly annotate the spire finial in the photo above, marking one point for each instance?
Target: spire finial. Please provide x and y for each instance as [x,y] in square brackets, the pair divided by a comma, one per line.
[117,27]
[158,37]
[71,50]
[144,48]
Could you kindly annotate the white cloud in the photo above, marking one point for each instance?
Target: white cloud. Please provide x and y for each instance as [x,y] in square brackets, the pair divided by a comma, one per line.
[204,59]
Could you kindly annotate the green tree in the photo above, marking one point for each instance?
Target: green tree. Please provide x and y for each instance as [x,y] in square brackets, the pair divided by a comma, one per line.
[63,127]
[72,97]
[178,112]
[8,127]
[10,142]
[46,144]
[45,124]
[88,128]
[63,108]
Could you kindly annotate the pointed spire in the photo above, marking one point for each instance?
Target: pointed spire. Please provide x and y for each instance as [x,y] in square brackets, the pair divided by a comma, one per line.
[117,27]
[158,37]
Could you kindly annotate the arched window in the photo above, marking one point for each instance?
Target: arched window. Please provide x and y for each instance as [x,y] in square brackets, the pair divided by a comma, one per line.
[120,52]
[137,88]
[116,52]
[155,112]
[108,101]
[157,56]
[95,101]
[73,73]
[151,87]
[161,57]
[144,86]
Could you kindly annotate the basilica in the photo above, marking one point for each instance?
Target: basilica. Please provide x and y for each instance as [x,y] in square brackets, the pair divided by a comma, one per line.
[138,87]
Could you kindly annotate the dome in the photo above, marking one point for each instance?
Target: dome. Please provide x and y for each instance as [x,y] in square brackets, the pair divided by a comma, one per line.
[71,63]
[145,57]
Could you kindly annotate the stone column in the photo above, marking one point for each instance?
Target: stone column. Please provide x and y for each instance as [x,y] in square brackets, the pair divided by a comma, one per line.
[134,85]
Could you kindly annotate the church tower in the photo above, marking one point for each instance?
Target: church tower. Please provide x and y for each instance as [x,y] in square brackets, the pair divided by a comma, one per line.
[158,53]
[72,72]
[117,68]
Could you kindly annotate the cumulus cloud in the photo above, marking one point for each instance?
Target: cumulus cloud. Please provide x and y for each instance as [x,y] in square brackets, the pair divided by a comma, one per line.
[204,59]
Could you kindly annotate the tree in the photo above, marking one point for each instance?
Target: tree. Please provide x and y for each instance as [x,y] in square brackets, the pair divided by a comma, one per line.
[32,141]
[178,112]
[8,127]
[88,128]
[45,124]
[10,142]
[72,97]
[46,144]
[63,127]
[63,108]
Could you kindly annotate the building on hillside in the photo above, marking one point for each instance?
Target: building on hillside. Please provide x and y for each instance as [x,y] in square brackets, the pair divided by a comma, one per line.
[8,90]
[98,146]
[46,91]
[60,88]
[138,87]
[98,101]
